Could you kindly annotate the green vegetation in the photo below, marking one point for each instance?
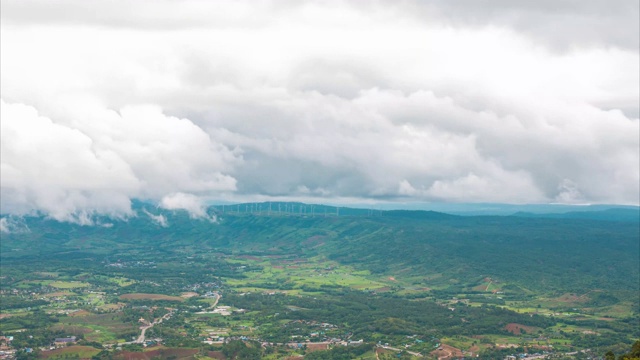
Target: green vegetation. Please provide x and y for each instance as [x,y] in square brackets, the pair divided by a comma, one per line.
[323,286]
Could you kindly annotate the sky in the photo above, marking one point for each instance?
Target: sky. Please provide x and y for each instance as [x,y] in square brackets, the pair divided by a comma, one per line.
[192,102]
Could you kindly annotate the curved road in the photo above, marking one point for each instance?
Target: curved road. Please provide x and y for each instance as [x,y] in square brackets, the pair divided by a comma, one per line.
[143,329]
[399,350]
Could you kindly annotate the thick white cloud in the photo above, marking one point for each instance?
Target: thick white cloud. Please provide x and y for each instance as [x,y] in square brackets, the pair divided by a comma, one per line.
[194,205]
[56,169]
[249,100]
[95,162]
[188,202]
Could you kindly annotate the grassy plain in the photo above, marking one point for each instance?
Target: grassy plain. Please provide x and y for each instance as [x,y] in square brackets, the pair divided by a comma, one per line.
[104,327]
[139,296]
[68,284]
[82,352]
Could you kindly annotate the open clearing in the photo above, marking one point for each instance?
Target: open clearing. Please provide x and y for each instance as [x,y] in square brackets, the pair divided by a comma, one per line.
[68,284]
[79,313]
[447,352]
[187,295]
[106,327]
[312,273]
[83,352]
[59,294]
[159,353]
[141,296]
[518,329]
[72,329]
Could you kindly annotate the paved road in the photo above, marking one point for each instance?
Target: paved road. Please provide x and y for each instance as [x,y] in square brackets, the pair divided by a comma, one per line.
[218,296]
[212,307]
[143,329]
[399,350]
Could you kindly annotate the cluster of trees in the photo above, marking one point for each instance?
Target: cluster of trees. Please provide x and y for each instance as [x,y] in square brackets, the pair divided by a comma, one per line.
[365,315]
[37,319]
[15,302]
[240,350]
[634,354]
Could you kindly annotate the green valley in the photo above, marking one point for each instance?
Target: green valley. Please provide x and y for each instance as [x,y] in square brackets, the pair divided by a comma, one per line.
[276,280]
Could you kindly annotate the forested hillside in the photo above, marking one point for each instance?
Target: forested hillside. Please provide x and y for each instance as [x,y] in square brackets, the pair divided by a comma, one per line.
[538,254]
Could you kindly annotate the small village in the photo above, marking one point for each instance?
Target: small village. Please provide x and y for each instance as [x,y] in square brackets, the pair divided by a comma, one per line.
[73,301]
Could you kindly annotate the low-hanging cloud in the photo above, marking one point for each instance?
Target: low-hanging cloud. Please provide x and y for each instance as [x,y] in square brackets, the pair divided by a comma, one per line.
[181,201]
[73,169]
[410,101]
[13,225]
[159,219]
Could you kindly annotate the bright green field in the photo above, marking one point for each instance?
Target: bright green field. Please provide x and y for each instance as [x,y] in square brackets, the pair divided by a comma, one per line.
[69,284]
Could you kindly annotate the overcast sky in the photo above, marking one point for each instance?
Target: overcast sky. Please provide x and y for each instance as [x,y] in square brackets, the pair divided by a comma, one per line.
[182,103]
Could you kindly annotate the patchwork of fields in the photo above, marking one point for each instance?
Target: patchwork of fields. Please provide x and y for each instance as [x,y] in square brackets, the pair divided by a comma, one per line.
[280,286]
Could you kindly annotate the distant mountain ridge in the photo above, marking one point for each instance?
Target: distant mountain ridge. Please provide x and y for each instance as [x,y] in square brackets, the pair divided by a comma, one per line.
[615,214]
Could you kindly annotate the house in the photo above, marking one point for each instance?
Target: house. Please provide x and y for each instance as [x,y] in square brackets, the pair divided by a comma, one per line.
[60,342]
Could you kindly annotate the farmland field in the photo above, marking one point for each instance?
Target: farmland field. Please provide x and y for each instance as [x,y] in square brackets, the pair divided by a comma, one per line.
[68,284]
[138,296]
[82,352]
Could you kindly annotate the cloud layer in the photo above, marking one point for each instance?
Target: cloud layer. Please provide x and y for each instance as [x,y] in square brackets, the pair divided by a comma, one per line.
[333,100]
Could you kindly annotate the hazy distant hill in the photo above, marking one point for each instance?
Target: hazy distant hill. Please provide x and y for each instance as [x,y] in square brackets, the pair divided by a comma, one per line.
[488,209]
[615,214]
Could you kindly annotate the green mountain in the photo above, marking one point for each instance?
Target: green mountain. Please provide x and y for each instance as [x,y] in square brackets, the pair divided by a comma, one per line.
[536,253]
